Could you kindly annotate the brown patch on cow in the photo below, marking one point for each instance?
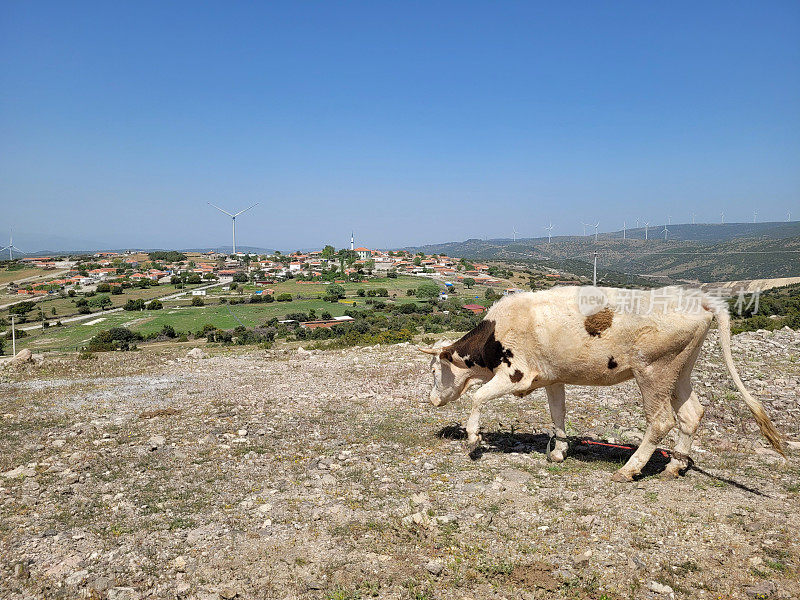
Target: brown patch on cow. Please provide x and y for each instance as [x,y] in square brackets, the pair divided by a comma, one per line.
[516,376]
[612,364]
[446,355]
[598,322]
[479,347]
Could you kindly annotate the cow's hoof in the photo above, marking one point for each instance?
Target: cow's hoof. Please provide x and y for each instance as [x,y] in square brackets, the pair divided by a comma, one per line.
[555,456]
[474,450]
[670,473]
[621,477]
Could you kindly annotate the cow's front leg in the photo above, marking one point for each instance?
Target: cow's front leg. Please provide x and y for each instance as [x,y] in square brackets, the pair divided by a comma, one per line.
[497,386]
[555,398]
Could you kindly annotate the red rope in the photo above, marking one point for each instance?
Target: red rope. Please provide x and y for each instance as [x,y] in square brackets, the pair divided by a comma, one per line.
[608,445]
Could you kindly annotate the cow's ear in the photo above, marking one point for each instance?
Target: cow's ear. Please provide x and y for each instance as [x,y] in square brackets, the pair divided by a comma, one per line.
[446,355]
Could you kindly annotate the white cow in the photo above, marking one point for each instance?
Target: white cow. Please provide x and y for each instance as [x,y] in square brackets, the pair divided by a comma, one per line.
[594,336]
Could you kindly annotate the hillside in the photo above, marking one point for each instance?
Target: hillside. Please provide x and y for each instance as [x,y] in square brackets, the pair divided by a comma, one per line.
[714,252]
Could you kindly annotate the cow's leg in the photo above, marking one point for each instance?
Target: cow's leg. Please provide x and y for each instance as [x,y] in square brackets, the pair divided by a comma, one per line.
[555,398]
[660,420]
[497,386]
[689,412]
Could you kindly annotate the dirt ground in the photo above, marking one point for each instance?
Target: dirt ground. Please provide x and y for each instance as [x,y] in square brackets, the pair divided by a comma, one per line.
[325,475]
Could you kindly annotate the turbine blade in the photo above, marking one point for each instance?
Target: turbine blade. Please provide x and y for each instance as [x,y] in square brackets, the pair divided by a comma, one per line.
[221,210]
[245,210]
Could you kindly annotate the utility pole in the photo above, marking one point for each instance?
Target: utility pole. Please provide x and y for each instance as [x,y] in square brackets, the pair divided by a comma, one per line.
[594,272]
[623,230]
[13,338]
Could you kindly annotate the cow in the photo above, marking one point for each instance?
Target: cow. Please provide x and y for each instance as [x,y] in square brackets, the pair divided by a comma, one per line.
[585,335]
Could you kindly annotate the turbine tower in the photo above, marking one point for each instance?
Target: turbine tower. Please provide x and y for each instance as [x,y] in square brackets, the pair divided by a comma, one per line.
[788,215]
[549,232]
[595,231]
[646,226]
[755,215]
[722,214]
[666,233]
[584,228]
[693,216]
[11,247]
[233,220]
[623,230]
[515,234]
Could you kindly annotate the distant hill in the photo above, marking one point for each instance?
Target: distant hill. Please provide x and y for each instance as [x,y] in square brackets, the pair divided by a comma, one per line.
[691,252]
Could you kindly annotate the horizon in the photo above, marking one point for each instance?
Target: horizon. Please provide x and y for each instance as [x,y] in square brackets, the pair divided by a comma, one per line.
[410,125]
[656,230]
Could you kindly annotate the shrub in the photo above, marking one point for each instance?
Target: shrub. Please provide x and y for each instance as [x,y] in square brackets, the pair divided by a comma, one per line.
[168,331]
[116,338]
[428,290]
[198,301]
[284,298]
[103,287]
[137,304]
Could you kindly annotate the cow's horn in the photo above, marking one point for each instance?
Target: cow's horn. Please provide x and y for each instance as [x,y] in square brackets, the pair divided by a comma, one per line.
[428,350]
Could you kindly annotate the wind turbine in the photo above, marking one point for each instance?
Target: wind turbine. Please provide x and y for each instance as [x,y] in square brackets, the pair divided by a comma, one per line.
[584,228]
[722,214]
[233,219]
[666,233]
[693,216]
[669,220]
[646,225]
[549,232]
[788,215]
[515,234]
[637,222]
[623,230]
[595,231]
[755,215]
[11,247]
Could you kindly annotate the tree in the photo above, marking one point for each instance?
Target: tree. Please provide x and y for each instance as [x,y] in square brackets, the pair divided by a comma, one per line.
[194,278]
[22,308]
[155,305]
[197,301]
[490,294]
[284,298]
[417,261]
[335,289]
[241,277]
[328,251]
[132,304]
[103,287]
[428,290]
[469,282]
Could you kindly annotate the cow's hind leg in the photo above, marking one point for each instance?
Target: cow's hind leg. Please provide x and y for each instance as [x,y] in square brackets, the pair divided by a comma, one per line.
[689,412]
[555,398]
[656,387]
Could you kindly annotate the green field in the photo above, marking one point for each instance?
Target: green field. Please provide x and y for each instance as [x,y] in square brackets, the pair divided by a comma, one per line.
[185,318]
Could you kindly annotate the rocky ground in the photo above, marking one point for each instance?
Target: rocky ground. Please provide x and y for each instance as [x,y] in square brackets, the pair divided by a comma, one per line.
[285,474]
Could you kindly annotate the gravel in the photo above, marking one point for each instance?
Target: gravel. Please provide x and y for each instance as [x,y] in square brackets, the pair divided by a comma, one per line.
[286,474]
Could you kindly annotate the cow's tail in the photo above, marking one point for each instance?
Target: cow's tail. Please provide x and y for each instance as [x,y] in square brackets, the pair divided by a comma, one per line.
[720,309]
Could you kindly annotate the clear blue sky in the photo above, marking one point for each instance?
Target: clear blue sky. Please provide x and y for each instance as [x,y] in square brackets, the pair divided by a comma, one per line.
[408,122]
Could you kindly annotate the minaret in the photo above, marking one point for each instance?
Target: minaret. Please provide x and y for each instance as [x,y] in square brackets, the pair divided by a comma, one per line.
[352,241]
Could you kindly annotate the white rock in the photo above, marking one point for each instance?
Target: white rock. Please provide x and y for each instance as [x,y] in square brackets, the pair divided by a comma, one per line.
[196,354]
[660,588]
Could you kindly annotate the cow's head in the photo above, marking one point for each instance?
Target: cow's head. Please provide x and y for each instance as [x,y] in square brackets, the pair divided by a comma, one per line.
[451,374]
